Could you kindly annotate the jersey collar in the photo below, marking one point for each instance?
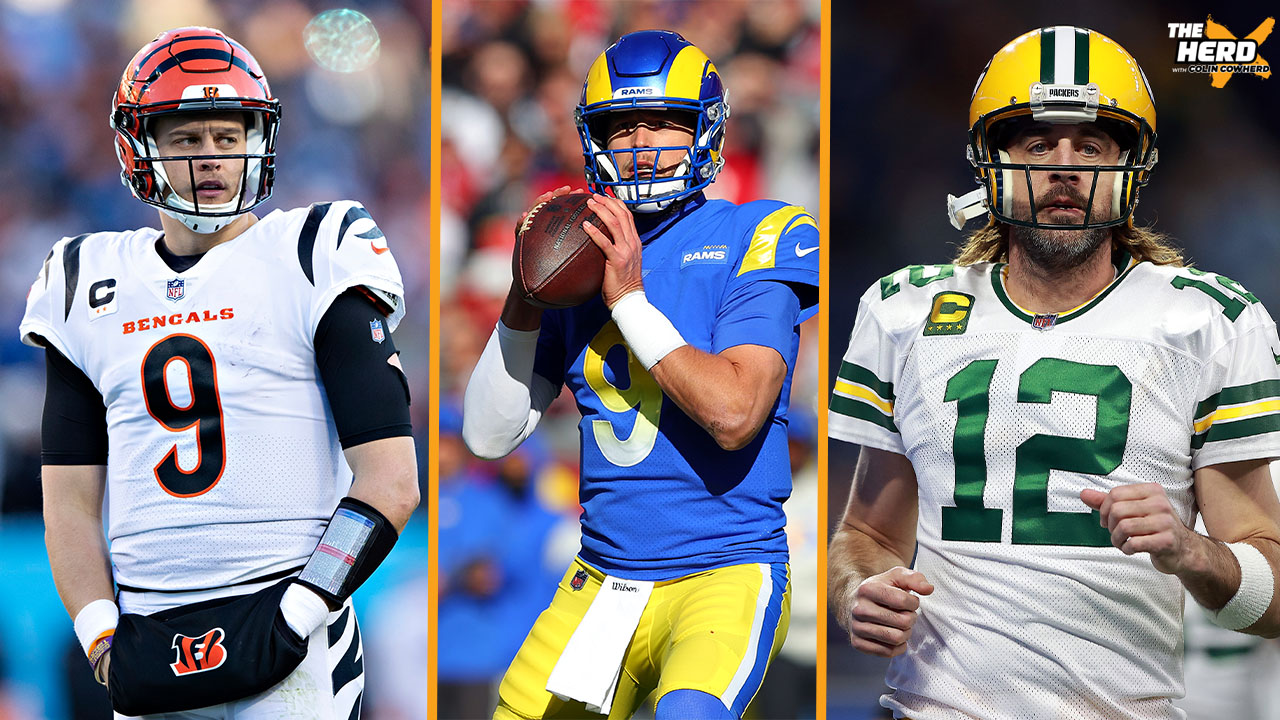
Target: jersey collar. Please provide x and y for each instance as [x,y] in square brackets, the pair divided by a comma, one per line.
[1124,263]
[650,227]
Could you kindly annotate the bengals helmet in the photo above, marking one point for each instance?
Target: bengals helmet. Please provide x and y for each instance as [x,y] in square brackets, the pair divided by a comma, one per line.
[1061,74]
[653,69]
[193,70]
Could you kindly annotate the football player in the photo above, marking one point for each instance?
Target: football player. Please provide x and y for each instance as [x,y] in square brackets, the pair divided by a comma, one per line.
[1041,421]
[218,381]
[682,371]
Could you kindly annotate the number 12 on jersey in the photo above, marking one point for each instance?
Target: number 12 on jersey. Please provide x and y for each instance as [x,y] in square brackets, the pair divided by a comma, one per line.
[1033,522]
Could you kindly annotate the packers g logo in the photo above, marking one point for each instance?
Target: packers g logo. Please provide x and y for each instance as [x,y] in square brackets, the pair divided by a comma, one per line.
[198,654]
[950,314]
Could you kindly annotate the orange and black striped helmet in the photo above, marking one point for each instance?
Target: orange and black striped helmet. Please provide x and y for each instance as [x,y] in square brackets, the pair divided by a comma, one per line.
[194,70]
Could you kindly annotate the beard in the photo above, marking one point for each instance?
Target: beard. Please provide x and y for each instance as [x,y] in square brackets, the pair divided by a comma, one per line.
[1058,251]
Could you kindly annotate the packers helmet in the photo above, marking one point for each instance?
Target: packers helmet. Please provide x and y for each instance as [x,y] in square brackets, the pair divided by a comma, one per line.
[1058,75]
[647,70]
[189,70]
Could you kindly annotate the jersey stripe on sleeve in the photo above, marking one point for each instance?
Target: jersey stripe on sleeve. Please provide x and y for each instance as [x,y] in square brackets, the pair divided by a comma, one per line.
[1236,412]
[860,394]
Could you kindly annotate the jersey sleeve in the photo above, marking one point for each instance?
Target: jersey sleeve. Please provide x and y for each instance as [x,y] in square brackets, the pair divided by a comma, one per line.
[862,401]
[48,304]
[760,313]
[1238,413]
[783,247]
[348,250]
[549,359]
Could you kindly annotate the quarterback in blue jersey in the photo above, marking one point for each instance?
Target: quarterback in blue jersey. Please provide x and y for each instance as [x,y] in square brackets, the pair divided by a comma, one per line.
[682,372]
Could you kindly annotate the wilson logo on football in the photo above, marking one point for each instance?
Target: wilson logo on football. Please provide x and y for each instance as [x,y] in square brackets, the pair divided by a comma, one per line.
[198,654]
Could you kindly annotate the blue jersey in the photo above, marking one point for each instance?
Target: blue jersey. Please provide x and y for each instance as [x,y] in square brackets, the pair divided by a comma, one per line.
[660,499]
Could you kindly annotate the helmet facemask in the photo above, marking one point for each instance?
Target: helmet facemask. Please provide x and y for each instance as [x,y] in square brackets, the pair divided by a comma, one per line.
[154,187]
[997,173]
[648,192]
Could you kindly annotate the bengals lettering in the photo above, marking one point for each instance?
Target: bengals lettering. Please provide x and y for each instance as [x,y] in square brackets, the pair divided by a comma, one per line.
[160,321]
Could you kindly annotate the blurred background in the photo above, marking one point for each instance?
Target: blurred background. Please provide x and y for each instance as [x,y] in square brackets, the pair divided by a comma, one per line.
[512,74]
[902,75]
[361,135]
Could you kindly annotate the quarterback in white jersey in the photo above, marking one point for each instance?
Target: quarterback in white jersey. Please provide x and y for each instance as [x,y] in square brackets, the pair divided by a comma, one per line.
[218,381]
[1042,421]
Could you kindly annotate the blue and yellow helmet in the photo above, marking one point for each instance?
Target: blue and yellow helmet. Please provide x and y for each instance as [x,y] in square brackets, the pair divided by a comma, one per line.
[653,69]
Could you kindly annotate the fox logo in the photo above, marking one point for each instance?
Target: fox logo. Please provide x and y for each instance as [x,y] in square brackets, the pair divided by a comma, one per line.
[197,654]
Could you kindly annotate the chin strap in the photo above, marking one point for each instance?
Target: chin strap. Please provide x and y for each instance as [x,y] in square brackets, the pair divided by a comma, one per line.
[966,207]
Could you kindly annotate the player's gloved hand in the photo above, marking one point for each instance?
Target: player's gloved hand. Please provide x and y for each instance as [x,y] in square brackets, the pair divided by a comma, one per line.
[880,612]
[303,610]
[1141,519]
[622,261]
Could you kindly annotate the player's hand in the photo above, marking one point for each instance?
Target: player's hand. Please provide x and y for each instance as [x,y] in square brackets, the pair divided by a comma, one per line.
[882,610]
[562,190]
[518,314]
[1141,519]
[622,262]
[103,672]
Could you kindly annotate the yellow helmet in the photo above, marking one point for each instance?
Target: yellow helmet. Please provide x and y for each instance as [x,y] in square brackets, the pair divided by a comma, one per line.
[1061,74]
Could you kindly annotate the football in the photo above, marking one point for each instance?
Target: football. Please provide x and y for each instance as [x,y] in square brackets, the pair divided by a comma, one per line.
[555,263]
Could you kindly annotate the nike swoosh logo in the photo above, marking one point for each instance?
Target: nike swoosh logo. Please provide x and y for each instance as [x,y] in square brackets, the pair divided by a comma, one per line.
[806,251]
[379,250]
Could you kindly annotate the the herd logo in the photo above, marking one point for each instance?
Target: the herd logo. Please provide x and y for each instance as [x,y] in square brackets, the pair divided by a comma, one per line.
[198,654]
[1209,48]
[949,314]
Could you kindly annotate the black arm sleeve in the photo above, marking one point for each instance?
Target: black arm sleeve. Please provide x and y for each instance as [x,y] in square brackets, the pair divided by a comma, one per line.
[368,395]
[74,428]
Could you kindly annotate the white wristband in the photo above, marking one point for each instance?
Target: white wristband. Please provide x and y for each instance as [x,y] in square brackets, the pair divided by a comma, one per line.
[95,619]
[648,332]
[303,610]
[1257,584]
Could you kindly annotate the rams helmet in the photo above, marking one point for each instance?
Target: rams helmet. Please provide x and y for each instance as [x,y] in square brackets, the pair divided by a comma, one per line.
[1061,74]
[194,69]
[653,69]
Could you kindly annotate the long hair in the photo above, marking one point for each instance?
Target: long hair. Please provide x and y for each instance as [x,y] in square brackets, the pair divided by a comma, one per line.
[991,244]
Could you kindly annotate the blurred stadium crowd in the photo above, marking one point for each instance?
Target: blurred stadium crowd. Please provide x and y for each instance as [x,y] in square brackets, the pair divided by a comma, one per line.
[902,77]
[362,135]
[512,73]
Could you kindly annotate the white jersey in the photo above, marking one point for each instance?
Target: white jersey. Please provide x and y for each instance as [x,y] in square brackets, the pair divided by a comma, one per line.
[224,464]
[1005,417]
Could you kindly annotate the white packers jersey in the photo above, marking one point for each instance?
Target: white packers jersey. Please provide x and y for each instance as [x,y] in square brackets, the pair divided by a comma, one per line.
[1005,417]
[224,464]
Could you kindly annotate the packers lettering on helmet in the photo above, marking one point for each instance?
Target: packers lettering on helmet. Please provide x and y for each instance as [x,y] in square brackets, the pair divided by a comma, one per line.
[1058,75]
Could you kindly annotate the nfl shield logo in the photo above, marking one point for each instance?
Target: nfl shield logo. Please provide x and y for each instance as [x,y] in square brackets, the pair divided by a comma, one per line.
[1044,321]
[375,330]
[176,289]
[579,579]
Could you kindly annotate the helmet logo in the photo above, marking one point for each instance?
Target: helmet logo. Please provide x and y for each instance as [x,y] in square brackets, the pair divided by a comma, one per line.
[633,91]
[195,92]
